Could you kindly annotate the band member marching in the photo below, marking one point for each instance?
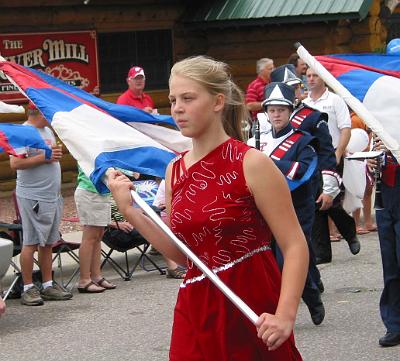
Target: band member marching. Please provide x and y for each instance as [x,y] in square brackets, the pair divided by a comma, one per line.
[326,180]
[293,151]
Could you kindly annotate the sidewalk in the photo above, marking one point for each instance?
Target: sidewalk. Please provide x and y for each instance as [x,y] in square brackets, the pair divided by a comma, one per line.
[134,321]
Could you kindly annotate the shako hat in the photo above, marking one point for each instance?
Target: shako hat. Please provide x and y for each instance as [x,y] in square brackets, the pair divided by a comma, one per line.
[285,73]
[278,94]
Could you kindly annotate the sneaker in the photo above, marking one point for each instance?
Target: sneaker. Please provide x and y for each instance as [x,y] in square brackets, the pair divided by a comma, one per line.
[55,293]
[32,297]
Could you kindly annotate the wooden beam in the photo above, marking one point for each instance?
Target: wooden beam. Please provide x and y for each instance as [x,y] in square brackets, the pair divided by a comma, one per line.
[108,18]
[375,8]
[74,3]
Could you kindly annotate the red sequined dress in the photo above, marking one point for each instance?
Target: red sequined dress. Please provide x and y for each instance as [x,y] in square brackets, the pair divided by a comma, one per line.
[215,214]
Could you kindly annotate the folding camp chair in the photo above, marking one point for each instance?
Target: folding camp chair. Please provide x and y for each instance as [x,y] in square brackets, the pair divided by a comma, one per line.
[58,248]
[118,240]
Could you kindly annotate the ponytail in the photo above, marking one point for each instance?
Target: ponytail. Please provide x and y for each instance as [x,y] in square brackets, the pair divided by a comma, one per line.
[235,114]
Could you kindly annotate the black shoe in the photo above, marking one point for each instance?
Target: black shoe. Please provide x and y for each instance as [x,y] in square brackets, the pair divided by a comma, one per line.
[320,286]
[319,260]
[317,314]
[390,339]
[354,245]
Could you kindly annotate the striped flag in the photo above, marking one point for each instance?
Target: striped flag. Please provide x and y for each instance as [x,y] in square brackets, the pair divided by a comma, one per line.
[374,79]
[93,130]
[15,139]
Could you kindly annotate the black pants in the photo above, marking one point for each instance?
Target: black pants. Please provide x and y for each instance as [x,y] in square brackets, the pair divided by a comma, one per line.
[320,235]
[304,211]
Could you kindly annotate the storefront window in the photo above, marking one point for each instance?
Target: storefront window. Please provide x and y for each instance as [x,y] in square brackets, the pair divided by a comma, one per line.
[151,50]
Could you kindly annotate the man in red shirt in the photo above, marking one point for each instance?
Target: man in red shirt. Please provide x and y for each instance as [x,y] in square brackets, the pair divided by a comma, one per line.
[255,90]
[135,96]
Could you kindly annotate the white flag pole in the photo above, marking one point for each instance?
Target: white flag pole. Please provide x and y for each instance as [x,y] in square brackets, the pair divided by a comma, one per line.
[237,301]
[351,101]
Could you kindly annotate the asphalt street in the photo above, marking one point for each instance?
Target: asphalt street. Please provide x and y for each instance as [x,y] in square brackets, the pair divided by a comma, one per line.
[133,322]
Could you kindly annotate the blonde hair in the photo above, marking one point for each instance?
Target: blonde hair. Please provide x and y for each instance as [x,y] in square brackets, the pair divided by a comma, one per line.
[214,76]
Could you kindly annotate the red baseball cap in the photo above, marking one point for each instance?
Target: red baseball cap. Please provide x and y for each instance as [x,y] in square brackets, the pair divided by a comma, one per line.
[135,71]
[32,106]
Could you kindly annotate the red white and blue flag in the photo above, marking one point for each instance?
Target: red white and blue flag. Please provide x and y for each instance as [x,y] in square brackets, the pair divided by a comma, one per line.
[15,139]
[374,79]
[94,131]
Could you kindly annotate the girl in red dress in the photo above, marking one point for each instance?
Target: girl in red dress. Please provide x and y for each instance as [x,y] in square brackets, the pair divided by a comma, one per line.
[224,199]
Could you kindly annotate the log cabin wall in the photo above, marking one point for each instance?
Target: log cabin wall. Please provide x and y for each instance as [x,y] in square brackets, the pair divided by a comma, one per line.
[65,15]
[239,46]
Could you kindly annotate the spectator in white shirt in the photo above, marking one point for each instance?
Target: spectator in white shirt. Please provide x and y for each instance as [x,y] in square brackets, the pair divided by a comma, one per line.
[339,122]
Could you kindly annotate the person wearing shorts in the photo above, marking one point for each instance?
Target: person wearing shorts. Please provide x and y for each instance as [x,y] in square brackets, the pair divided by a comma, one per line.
[94,212]
[40,205]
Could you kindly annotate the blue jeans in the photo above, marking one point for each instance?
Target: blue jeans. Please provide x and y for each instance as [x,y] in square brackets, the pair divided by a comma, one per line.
[388,221]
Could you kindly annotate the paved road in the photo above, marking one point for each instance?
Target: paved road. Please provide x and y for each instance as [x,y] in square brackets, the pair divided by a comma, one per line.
[133,322]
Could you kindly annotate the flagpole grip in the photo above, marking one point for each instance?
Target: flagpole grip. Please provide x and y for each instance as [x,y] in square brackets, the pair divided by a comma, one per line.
[237,301]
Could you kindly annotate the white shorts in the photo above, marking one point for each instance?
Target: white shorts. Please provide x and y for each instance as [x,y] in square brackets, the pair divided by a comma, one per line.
[93,209]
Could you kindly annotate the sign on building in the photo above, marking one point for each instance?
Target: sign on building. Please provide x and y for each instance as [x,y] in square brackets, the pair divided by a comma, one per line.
[69,56]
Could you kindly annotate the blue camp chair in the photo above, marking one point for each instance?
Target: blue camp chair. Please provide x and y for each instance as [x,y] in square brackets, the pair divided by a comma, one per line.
[118,240]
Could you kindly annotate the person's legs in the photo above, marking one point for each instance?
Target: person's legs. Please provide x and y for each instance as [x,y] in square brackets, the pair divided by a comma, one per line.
[343,221]
[95,267]
[320,238]
[31,295]
[50,291]
[91,236]
[26,261]
[389,239]
[174,270]
[94,211]
[95,272]
[369,223]
[312,298]
[357,218]
[388,220]
[45,262]
[346,225]
[334,234]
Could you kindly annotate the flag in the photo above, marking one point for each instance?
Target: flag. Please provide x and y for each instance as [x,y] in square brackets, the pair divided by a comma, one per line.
[88,128]
[374,79]
[144,122]
[15,139]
